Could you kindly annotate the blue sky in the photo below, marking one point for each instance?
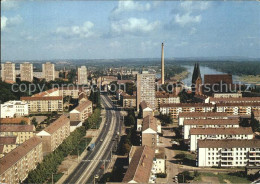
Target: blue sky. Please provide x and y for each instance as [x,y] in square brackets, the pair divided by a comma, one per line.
[37,30]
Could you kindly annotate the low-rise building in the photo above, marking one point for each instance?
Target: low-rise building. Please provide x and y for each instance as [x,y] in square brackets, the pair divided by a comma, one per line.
[208,123]
[73,91]
[81,112]
[15,166]
[15,121]
[218,133]
[128,101]
[22,132]
[54,134]
[201,115]
[244,108]
[141,168]
[235,100]
[159,160]
[163,97]
[145,109]
[174,109]
[227,95]
[228,153]
[7,144]
[150,132]
[13,109]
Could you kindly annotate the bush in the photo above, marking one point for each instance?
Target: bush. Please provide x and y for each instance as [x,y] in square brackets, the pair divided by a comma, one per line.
[161,175]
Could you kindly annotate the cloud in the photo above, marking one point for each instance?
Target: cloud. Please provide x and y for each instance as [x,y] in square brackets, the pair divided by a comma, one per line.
[83,31]
[190,9]
[186,19]
[8,5]
[133,25]
[10,22]
[124,6]
[115,44]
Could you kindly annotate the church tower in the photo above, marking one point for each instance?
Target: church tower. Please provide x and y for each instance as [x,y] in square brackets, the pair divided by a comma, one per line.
[196,80]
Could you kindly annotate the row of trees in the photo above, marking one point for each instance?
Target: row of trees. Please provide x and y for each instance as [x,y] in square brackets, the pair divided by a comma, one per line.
[95,97]
[51,162]
[94,120]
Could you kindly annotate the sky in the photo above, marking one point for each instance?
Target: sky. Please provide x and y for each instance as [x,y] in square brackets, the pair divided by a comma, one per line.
[46,30]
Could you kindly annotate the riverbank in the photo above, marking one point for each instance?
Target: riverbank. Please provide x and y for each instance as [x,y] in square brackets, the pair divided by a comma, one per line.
[250,78]
[181,76]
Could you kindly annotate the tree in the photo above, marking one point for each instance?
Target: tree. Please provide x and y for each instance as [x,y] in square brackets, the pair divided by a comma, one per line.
[34,122]
[23,122]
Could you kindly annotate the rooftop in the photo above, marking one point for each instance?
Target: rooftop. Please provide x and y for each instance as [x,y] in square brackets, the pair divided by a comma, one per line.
[140,166]
[17,128]
[221,131]
[217,78]
[7,140]
[234,121]
[15,155]
[31,98]
[236,100]
[44,93]
[243,104]
[252,143]
[14,120]
[149,122]
[83,105]
[203,114]
[53,127]
[187,105]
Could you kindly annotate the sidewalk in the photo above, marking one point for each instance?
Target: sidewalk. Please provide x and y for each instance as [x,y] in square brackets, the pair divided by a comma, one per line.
[74,162]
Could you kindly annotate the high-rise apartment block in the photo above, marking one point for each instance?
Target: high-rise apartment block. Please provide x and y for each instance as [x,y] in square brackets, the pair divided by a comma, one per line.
[8,72]
[48,71]
[146,89]
[82,75]
[26,71]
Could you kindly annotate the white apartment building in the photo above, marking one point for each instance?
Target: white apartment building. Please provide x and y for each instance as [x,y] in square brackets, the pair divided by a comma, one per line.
[8,72]
[208,123]
[218,133]
[201,115]
[13,109]
[175,109]
[26,71]
[48,71]
[235,100]
[227,95]
[228,153]
[82,75]
[242,108]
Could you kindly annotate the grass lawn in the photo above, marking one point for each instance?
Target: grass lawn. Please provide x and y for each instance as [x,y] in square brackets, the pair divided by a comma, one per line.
[187,153]
[222,177]
[81,146]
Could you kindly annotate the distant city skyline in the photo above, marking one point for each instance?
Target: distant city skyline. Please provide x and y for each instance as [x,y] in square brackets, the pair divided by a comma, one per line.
[37,30]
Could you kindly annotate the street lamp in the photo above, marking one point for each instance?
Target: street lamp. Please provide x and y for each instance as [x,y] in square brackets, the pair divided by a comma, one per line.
[95,177]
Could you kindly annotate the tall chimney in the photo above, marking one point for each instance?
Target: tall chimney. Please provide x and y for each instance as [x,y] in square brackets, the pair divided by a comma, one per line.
[162,63]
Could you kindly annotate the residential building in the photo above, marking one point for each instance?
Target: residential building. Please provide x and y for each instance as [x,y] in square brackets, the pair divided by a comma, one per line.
[54,134]
[256,115]
[218,133]
[145,109]
[72,91]
[74,125]
[44,104]
[175,109]
[201,115]
[15,121]
[16,165]
[228,153]
[22,132]
[82,111]
[234,100]
[227,95]
[149,134]
[26,70]
[47,93]
[141,168]
[128,101]
[145,89]
[244,108]
[8,72]
[208,123]
[7,144]
[159,160]
[13,109]
[163,97]
[82,75]
[48,71]
[38,75]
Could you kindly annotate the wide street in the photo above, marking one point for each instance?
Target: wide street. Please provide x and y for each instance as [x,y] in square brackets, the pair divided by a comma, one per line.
[91,164]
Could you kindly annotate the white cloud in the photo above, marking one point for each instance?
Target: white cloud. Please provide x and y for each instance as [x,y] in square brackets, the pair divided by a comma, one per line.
[130,5]
[8,4]
[133,25]
[190,6]
[9,22]
[186,19]
[193,31]
[115,44]
[83,31]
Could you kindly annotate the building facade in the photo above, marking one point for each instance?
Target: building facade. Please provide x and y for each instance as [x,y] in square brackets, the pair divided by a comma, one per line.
[54,134]
[8,72]
[26,71]
[82,75]
[48,71]
[82,111]
[22,132]
[162,98]
[13,109]
[218,133]
[16,165]
[245,108]
[145,89]
[7,144]
[228,153]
